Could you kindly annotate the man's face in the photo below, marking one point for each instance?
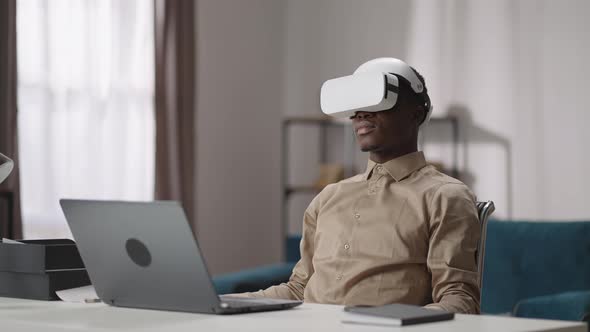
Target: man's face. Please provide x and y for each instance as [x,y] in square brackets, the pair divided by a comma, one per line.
[385,130]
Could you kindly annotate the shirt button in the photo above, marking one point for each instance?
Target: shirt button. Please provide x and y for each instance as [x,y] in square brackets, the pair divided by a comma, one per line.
[379,168]
[357,216]
[371,191]
[347,246]
[339,277]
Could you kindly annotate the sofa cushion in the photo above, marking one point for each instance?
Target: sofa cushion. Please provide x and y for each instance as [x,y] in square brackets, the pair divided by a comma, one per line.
[530,259]
[253,279]
[562,306]
[292,250]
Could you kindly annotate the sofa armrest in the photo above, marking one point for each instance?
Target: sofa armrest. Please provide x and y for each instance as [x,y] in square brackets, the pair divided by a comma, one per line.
[254,279]
[573,306]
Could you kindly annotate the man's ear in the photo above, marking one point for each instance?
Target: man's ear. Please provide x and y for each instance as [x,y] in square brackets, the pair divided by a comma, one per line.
[419,115]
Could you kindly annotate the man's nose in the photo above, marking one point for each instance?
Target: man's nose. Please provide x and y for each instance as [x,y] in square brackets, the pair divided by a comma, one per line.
[363,115]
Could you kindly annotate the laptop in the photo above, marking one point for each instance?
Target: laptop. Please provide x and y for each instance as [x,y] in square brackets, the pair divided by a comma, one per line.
[144,255]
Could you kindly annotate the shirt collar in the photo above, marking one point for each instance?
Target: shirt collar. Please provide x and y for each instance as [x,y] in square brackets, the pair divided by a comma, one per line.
[400,167]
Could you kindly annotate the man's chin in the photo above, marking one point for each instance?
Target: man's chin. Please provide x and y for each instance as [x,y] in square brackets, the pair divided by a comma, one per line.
[369,148]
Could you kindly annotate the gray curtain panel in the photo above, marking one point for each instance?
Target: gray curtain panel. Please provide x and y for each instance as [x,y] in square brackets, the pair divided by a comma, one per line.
[10,215]
[175,102]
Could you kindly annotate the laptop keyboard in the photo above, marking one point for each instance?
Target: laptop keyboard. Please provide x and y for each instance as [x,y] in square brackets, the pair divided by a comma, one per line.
[238,302]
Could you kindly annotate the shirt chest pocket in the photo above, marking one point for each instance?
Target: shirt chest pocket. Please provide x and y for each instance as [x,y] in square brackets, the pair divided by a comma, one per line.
[391,232]
[373,229]
[376,238]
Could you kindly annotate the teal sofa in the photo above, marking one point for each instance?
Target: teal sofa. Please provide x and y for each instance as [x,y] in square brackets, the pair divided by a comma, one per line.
[261,277]
[531,269]
[537,269]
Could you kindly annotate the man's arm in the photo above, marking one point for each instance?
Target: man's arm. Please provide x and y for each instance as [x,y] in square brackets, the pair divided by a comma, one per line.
[454,234]
[303,270]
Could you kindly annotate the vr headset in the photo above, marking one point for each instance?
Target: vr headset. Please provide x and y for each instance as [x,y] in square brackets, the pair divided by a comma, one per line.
[373,87]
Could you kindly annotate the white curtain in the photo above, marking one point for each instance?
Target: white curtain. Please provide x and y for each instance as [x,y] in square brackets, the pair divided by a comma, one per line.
[86,122]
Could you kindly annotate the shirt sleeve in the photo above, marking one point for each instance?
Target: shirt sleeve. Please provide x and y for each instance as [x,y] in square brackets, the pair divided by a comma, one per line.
[303,270]
[454,234]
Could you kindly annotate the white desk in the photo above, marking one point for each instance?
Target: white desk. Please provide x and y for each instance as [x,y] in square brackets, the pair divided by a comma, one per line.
[25,315]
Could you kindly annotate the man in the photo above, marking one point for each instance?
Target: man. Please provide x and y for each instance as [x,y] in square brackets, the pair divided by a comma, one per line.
[401,232]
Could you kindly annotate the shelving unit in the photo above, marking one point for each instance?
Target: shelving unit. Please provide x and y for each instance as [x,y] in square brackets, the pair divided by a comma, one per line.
[323,123]
[453,123]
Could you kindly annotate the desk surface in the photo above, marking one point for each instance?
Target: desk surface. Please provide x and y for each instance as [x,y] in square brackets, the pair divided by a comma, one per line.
[26,315]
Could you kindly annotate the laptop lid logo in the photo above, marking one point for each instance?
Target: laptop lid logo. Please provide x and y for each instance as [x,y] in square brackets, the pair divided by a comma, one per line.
[138,252]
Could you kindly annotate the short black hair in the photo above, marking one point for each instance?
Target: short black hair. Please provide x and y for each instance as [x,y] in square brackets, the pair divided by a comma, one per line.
[415,99]
[421,78]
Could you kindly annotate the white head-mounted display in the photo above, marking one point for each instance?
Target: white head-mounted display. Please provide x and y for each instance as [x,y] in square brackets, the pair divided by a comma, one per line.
[373,87]
[6,165]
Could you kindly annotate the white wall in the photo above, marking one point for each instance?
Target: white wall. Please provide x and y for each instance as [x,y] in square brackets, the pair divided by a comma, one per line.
[515,71]
[519,69]
[326,39]
[239,56]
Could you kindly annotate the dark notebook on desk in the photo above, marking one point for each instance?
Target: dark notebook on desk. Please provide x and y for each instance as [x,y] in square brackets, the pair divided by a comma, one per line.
[394,314]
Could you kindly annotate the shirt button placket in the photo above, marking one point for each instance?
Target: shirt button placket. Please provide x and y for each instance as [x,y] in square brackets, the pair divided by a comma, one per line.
[373,182]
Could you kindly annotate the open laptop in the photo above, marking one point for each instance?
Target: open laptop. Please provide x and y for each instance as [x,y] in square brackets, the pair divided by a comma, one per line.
[144,255]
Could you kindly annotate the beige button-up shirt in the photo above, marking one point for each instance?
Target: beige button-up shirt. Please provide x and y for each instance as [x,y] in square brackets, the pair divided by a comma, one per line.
[402,232]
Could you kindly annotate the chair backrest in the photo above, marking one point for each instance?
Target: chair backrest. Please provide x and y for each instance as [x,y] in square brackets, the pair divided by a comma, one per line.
[484,210]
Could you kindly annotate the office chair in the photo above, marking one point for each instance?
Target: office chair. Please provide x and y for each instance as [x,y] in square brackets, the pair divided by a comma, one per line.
[484,210]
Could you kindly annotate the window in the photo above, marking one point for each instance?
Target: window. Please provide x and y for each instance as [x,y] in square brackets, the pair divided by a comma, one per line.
[86,114]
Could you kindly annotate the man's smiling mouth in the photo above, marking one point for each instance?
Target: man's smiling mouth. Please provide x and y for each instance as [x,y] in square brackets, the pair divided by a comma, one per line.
[365,127]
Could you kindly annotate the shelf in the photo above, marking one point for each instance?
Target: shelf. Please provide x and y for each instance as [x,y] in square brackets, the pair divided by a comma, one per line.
[449,118]
[300,189]
[342,121]
[325,120]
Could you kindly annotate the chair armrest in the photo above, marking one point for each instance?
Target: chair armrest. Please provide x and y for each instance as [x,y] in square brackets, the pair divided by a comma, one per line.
[573,306]
[254,279]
